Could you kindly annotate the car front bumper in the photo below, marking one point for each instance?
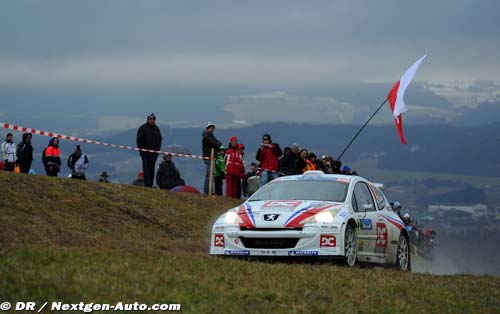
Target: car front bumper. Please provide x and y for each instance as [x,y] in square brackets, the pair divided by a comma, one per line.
[315,240]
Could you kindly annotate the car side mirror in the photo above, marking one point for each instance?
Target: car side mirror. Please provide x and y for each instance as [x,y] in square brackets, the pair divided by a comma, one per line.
[367,207]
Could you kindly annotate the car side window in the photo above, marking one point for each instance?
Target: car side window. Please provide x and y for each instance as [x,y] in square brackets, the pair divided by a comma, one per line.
[379,197]
[363,197]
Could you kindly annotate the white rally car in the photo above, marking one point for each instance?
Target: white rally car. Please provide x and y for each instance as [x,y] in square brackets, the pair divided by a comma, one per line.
[315,214]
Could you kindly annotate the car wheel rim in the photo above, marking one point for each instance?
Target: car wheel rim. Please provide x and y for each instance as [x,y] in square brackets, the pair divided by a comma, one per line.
[403,253]
[350,247]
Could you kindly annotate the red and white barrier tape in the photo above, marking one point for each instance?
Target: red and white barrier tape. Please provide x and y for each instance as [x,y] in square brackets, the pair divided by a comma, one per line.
[83,140]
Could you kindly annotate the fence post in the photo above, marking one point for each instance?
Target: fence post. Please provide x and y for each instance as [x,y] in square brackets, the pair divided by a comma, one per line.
[211,180]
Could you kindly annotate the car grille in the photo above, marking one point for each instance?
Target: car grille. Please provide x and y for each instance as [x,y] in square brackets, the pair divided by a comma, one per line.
[269,243]
[272,229]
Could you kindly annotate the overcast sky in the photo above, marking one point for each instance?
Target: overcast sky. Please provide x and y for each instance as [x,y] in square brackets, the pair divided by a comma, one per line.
[225,52]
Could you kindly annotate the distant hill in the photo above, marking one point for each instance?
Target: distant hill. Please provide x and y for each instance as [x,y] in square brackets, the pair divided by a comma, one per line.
[431,148]
[484,113]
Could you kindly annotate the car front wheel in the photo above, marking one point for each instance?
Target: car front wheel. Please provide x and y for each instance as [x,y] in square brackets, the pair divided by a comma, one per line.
[351,246]
[403,262]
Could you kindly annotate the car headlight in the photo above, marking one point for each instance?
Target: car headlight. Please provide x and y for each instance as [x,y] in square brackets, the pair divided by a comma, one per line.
[232,218]
[324,216]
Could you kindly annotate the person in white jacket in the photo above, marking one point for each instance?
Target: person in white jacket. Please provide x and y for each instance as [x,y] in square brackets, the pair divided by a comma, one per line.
[9,152]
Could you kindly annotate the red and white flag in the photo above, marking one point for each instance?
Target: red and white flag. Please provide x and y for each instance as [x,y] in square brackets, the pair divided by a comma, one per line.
[396,96]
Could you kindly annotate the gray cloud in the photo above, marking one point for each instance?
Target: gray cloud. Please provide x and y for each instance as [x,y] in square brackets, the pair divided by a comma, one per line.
[468,94]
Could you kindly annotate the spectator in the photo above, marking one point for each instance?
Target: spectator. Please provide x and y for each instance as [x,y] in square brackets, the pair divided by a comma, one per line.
[251,181]
[25,153]
[104,177]
[327,164]
[2,165]
[292,163]
[209,142]
[397,208]
[9,152]
[268,155]
[51,158]
[336,165]
[287,163]
[78,163]
[235,170]
[406,219]
[347,171]
[311,162]
[220,170]
[167,176]
[149,137]
[318,164]
[304,153]
[139,181]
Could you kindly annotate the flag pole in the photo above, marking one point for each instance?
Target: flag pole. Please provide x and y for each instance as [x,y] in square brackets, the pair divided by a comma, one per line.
[361,129]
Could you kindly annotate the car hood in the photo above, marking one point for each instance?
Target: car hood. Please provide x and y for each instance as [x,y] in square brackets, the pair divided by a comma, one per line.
[282,214]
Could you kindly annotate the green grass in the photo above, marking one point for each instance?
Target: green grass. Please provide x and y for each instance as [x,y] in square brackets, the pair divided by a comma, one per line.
[70,241]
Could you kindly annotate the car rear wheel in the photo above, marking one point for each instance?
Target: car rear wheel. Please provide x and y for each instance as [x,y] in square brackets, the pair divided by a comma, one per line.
[351,246]
[403,261]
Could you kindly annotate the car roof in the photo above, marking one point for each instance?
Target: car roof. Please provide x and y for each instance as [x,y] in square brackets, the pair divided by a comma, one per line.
[316,174]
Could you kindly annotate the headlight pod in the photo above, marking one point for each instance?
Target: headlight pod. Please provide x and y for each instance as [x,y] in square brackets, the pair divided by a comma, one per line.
[232,218]
[324,216]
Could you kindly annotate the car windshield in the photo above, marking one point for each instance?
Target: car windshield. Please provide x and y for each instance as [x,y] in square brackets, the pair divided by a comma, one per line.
[319,190]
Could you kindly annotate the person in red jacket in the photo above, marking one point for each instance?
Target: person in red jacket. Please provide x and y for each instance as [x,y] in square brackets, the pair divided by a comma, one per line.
[235,169]
[268,156]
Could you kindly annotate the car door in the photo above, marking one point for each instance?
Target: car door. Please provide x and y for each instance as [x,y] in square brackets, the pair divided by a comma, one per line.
[366,215]
[383,229]
[390,223]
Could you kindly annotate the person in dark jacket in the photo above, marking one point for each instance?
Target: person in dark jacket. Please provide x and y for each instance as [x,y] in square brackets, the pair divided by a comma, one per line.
[291,163]
[167,177]
[209,141]
[25,153]
[268,155]
[149,137]
[51,158]
[78,163]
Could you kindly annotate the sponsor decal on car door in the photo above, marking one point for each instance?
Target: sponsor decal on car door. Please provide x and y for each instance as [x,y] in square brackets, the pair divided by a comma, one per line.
[382,238]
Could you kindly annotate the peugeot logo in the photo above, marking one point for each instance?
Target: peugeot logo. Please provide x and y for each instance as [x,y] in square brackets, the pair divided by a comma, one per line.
[271,217]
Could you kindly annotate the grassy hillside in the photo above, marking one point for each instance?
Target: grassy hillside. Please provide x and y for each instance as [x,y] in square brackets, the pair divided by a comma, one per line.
[72,241]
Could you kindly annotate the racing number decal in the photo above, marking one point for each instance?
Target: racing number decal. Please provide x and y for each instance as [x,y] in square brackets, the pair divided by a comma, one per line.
[328,241]
[219,240]
[381,235]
